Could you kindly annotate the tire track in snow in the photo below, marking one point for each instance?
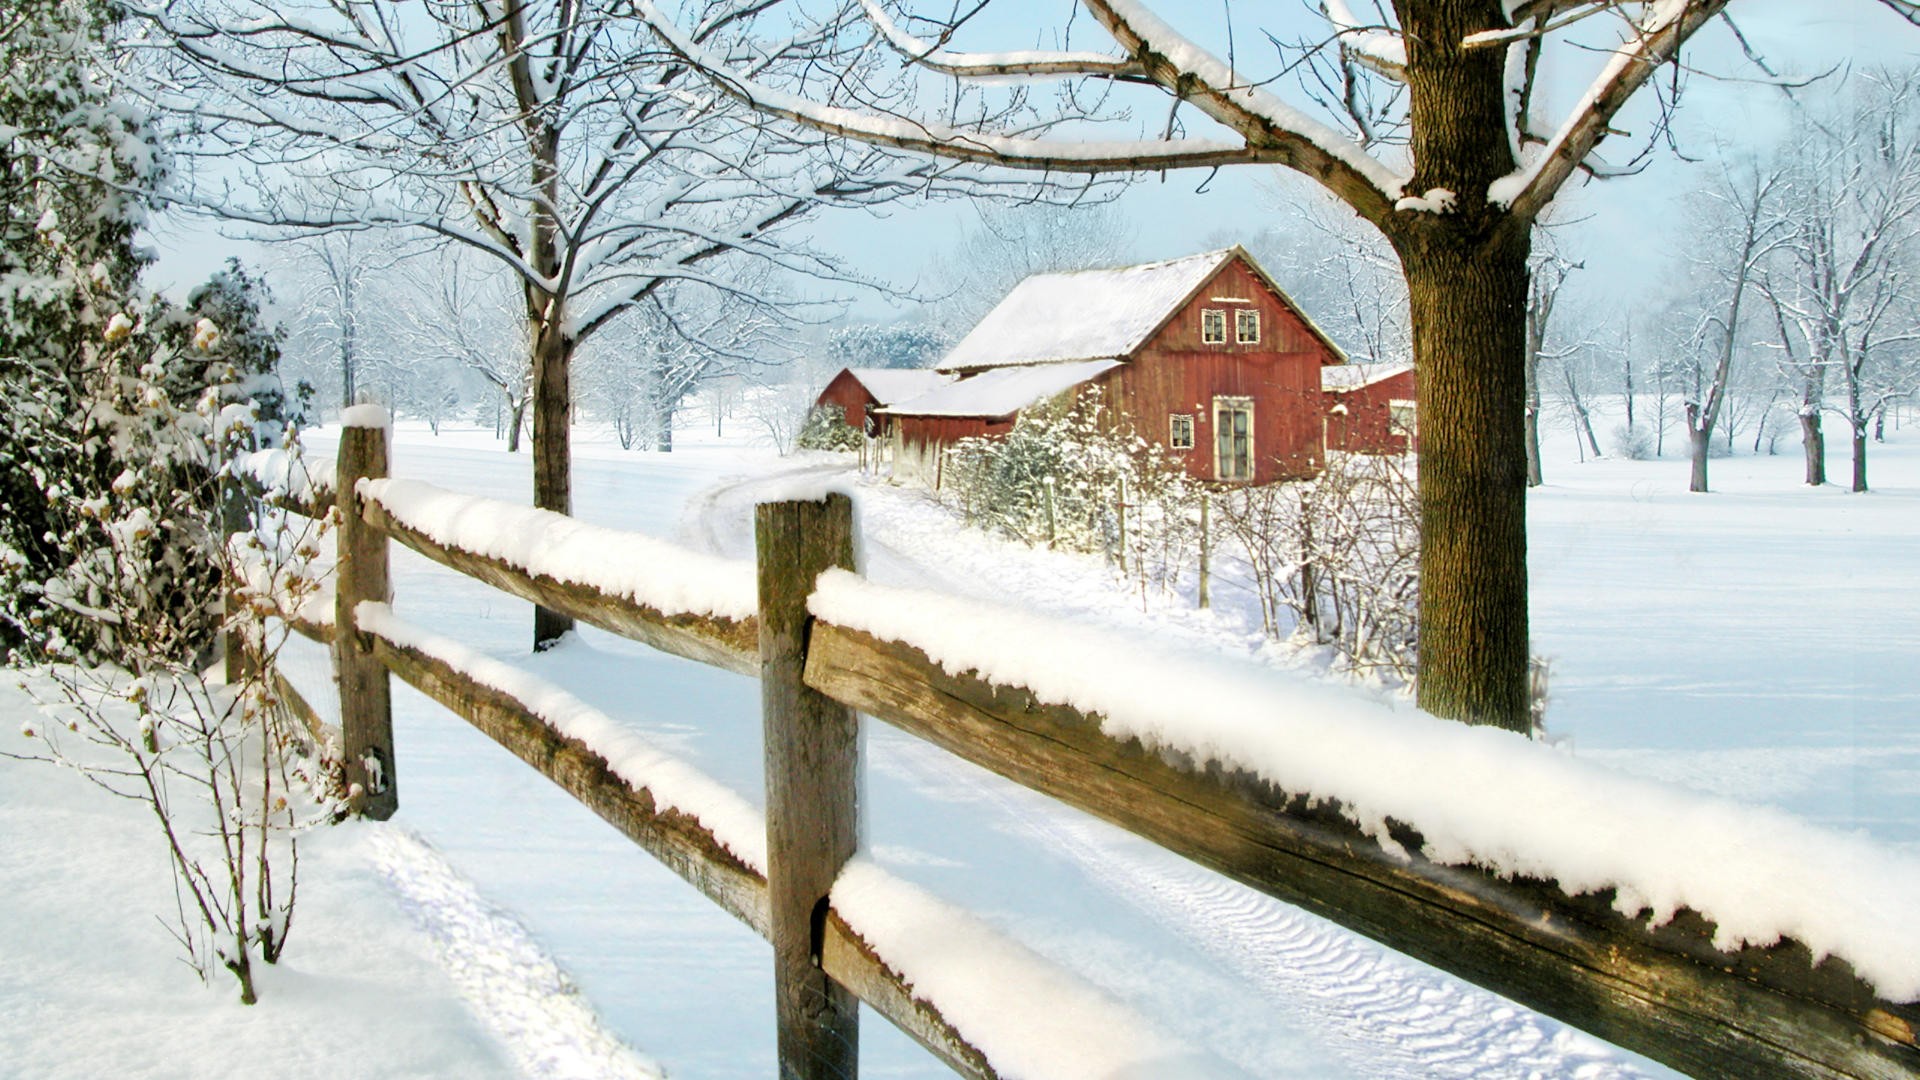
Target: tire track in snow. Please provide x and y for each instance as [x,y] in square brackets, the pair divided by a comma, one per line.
[509,982]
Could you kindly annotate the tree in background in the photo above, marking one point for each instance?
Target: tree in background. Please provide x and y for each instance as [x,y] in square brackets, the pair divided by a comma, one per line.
[1012,243]
[1422,120]
[887,345]
[1843,290]
[590,166]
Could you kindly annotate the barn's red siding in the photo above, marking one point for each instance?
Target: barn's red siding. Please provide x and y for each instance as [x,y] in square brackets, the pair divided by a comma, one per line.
[1365,427]
[852,397]
[1175,373]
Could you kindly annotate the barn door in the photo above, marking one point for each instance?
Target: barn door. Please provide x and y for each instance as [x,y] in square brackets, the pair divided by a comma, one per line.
[1233,438]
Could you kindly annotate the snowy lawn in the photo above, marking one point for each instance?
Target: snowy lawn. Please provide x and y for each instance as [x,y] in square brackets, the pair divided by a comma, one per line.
[1751,642]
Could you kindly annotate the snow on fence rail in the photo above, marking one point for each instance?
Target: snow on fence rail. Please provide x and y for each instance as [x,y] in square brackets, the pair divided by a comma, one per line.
[1720,939]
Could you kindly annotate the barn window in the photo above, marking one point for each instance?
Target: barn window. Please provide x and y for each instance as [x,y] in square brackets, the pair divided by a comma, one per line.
[1246,326]
[1180,432]
[1402,418]
[1213,326]
[1233,438]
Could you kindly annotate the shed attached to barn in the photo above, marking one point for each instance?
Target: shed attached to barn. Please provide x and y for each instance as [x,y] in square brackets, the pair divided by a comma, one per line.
[1204,355]
[861,393]
[1371,408]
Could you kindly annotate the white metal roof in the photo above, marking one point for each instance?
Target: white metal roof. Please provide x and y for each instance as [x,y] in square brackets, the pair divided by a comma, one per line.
[1002,391]
[1082,314]
[888,385]
[1354,376]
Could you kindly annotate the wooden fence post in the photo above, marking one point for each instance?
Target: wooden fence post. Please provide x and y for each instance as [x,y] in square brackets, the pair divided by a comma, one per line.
[366,711]
[812,748]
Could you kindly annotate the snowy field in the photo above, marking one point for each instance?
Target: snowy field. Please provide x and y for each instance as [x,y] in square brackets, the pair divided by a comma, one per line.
[1753,643]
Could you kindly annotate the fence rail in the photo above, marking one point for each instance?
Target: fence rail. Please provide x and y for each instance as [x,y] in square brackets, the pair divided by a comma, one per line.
[1663,991]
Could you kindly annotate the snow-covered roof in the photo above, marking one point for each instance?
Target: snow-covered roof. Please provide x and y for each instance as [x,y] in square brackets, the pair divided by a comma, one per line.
[1082,314]
[1002,391]
[1355,376]
[888,385]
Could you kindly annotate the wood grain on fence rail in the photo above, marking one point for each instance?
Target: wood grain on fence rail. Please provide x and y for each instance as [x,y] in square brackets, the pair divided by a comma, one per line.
[1664,992]
[681,842]
[714,640]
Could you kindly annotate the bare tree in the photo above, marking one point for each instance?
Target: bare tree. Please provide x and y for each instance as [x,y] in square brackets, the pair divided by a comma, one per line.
[1549,274]
[553,138]
[334,274]
[1843,294]
[1453,82]
[1013,242]
[1739,229]
[451,307]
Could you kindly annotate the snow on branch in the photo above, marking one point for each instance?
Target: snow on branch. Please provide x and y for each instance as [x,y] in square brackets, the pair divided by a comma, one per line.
[674,784]
[666,577]
[1270,130]
[985,65]
[1378,47]
[1759,874]
[1655,38]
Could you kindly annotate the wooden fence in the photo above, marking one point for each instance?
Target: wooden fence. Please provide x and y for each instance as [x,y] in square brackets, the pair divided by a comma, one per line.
[1664,991]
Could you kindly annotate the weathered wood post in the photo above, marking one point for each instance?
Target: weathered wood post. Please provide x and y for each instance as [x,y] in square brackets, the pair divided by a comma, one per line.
[1053,529]
[1206,550]
[366,710]
[812,748]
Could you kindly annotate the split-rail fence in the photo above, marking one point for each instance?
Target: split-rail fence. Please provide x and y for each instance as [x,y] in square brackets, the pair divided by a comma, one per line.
[1666,991]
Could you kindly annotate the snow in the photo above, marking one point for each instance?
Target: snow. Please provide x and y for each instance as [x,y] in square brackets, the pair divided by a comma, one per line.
[664,576]
[365,416]
[889,385]
[1435,201]
[287,472]
[1003,391]
[1757,873]
[738,826]
[1754,643]
[1083,314]
[1355,376]
[993,990]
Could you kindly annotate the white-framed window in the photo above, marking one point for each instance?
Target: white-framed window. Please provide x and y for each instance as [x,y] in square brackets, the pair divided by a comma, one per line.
[1246,326]
[1233,438]
[1213,326]
[1180,431]
[1403,418]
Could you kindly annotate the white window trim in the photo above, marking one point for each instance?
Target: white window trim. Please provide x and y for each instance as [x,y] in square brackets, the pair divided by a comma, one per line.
[1394,426]
[1205,315]
[1241,317]
[1173,431]
[1253,454]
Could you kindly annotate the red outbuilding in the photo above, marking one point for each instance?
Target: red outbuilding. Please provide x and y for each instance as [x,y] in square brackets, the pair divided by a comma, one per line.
[1204,355]
[1371,408]
[859,393]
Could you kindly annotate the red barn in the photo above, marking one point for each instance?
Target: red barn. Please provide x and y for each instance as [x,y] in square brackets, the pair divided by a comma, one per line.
[1370,408]
[1205,355]
[860,393]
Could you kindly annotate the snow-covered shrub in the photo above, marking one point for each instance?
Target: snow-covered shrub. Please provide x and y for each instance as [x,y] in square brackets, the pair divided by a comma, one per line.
[1069,475]
[1633,442]
[119,415]
[827,429]
[1337,557]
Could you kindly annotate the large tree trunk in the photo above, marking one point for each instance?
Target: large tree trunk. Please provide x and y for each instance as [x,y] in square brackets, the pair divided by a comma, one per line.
[1534,477]
[517,419]
[552,449]
[1467,285]
[1468,305]
[663,411]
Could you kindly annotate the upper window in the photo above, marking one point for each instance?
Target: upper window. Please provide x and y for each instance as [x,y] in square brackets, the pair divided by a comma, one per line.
[1213,326]
[1246,326]
[1180,432]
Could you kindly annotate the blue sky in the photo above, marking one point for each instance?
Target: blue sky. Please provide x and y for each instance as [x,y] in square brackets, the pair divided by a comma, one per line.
[1621,227]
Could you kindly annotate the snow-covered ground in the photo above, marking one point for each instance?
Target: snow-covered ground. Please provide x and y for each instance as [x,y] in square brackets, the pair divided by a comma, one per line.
[1751,642]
